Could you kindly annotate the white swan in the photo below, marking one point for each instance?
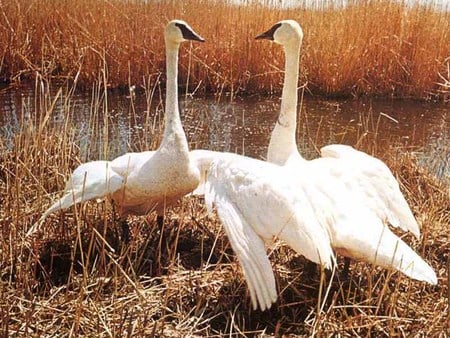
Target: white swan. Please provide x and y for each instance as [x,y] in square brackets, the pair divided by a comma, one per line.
[361,191]
[148,181]
[257,201]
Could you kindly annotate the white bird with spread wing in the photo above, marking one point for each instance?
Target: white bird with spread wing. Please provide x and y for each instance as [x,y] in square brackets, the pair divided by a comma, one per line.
[148,181]
[257,202]
[362,193]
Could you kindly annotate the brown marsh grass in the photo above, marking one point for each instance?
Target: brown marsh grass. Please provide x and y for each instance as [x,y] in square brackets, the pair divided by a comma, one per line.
[382,47]
[78,279]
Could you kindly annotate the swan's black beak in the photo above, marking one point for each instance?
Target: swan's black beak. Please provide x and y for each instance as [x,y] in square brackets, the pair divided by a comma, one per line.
[189,34]
[269,34]
[194,37]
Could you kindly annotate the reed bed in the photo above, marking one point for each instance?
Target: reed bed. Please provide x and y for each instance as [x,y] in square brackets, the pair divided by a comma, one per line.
[77,278]
[374,48]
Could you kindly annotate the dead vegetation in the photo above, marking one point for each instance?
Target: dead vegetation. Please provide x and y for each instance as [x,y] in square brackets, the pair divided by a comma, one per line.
[77,278]
[374,48]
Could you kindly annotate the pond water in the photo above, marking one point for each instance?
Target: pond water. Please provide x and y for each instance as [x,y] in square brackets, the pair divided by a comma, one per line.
[240,125]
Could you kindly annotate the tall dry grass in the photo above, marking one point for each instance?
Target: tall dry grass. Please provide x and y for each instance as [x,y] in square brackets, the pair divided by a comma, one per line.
[78,279]
[382,47]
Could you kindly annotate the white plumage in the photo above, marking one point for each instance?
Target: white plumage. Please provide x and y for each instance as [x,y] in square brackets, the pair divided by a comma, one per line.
[360,191]
[355,230]
[381,190]
[147,181]
[257,202]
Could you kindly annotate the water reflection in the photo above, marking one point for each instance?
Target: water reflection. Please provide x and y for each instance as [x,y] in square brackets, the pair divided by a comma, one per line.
[242,126]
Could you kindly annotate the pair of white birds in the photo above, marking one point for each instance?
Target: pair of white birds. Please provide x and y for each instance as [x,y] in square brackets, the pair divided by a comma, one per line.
[341,201]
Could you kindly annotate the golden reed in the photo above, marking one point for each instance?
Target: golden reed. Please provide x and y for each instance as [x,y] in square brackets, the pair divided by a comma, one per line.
[376,47]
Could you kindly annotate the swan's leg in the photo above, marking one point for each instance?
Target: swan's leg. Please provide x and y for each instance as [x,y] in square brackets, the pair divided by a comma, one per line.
[125,231]
[125,235]
[160,224]
[310,269]
[346,269]
[160,221]
[161,244]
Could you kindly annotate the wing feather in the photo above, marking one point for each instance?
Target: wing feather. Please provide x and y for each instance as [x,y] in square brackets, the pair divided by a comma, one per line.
[249,248]
[130,162]
[256,201]
[375,180]
[88,181]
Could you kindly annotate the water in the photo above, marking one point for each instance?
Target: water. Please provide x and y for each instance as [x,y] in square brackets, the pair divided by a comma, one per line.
[242,125]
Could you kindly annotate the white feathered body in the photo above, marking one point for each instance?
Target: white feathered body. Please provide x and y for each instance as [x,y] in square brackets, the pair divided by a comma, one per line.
[257,202]
[143,191]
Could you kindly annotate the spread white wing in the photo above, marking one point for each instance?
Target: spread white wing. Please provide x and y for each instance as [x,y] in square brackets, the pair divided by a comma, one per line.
[355,230]
[88,181]
[255,203]
[376,183]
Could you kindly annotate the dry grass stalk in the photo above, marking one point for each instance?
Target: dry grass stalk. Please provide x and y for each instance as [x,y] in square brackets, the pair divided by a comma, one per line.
[347,51]
[79,279]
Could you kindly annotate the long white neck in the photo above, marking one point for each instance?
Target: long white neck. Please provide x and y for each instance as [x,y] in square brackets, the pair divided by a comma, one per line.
[282,142]
[173,136]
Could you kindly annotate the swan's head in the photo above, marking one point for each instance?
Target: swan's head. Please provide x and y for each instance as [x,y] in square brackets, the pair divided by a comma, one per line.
[178,31]
[283,32]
